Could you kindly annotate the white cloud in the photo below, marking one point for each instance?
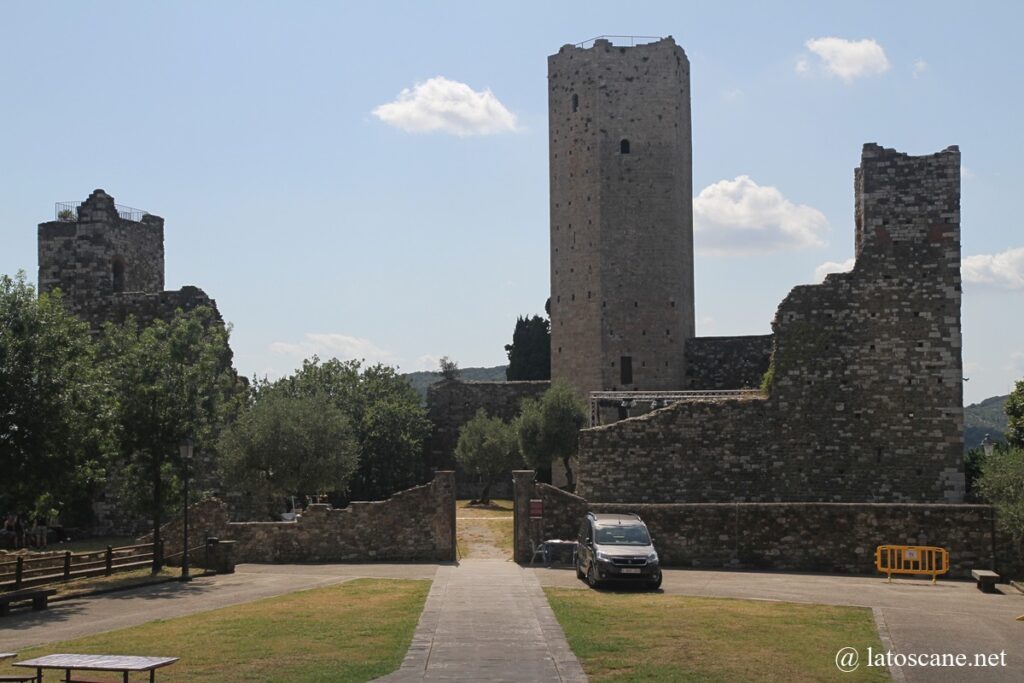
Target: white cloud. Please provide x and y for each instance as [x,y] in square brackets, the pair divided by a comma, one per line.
[833,267]
[1017,362]
[739,216]
[920,66]
[732,95]
[428,362]
[331,345]
[847,59]
[1000,271]
[706,326]
[440,104]
[803,67]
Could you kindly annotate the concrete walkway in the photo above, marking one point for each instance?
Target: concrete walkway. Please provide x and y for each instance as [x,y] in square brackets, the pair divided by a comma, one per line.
[949,617]
[488,620]
[85,616]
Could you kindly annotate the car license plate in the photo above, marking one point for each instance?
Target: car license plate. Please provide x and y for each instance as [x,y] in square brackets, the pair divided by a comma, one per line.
[630,571]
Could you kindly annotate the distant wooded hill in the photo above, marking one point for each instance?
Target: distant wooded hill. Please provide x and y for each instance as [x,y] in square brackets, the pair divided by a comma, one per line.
[987,417]
[421,380]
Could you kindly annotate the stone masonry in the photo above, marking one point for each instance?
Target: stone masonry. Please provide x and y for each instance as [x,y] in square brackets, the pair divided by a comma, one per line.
[417,524]
[715,363]
[109,266]
[818,537]
[621,215]
[866,403]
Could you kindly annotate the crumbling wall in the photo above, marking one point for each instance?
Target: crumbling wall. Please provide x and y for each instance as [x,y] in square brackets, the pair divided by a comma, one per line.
[866,401]
[80,254]
[716,363]
[417,524]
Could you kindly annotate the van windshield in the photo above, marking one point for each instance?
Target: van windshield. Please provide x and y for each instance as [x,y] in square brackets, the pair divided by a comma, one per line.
[622,535]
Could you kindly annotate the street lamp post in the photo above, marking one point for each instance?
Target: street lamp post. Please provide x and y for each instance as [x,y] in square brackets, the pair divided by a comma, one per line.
[185,449]
[989,445]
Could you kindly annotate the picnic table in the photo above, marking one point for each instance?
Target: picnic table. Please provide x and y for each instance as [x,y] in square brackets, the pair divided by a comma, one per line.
[15,679]
[123,664]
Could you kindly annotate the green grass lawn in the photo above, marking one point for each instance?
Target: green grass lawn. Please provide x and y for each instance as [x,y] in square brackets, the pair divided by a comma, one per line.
[88,544]
[631,636]
[116,581]
[354,631]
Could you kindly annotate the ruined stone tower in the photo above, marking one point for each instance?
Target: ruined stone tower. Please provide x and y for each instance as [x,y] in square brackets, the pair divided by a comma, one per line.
[108,262]
[96,251]
[621,215]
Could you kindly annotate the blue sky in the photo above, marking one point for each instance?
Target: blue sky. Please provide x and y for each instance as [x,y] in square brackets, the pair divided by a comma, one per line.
[318,225]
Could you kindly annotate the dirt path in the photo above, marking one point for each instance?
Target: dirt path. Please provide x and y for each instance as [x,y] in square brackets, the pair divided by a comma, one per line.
[484,533]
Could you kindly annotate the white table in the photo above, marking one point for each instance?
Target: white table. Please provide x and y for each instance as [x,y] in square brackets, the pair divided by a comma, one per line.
[118,663]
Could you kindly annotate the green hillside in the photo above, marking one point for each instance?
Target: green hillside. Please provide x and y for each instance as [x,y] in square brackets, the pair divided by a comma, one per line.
[423,379]
[987,417]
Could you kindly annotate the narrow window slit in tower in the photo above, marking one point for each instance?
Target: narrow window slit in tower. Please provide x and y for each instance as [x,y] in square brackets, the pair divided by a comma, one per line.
[117,273]
[624,146]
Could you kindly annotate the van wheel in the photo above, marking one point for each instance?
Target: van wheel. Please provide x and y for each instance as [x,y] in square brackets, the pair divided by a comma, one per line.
[656,583]
[592,577]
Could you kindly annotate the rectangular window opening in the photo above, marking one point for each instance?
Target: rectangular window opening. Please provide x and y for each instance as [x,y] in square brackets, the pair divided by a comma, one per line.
[626,370]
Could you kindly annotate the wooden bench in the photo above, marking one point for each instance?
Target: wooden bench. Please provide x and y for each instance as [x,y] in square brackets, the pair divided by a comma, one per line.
[986,579]
[39,597]
[15,679]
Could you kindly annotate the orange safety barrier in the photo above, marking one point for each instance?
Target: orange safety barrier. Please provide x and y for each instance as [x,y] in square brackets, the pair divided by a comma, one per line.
[911,559]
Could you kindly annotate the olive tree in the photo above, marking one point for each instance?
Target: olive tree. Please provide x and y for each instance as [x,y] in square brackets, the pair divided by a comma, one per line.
[488,447]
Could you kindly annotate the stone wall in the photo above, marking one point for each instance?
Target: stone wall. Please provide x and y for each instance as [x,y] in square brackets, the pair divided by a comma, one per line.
[715,363]
[417,524]
[866,404]
[453,403]
[621,215]
[816,537]
[97,253]
[81,256]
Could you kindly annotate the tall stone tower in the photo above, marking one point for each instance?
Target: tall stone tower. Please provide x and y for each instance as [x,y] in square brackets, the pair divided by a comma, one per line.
[621,215]
[98,250]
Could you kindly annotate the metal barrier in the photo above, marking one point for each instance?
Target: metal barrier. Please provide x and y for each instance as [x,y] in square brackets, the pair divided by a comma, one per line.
[911,559]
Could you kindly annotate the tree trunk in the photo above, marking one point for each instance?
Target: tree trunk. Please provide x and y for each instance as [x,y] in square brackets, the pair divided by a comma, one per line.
[158,559]
[570,480]
[485,495]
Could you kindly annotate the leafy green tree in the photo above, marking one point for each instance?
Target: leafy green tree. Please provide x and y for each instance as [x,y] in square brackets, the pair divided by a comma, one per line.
[449,369]
[172,380]
[529,354]
[1002,484]
[488,447]
[387,420]
[548,428]
[55,412]
[1015,416]
[289,445]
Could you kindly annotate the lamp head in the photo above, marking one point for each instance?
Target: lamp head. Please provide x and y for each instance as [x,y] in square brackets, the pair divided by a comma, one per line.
[185,448]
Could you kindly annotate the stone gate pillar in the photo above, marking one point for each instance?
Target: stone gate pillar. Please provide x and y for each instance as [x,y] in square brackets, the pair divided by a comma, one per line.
[522,491]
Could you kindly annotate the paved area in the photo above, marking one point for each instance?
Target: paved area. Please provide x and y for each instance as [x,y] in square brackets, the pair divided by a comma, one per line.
[949,617]
[488,620]
[84,616]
